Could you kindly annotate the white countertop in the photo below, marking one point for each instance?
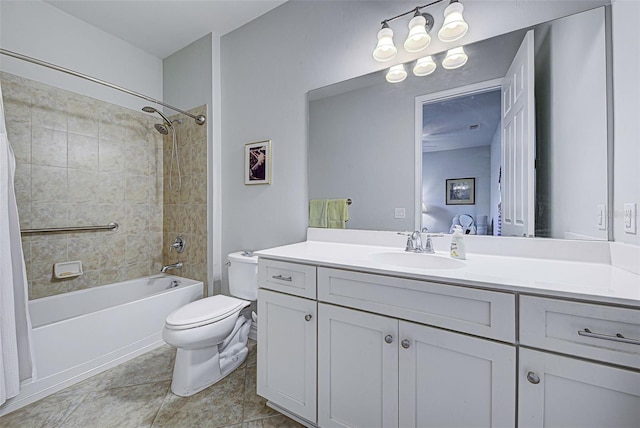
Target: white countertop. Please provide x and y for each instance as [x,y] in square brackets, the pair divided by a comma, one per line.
[598,282]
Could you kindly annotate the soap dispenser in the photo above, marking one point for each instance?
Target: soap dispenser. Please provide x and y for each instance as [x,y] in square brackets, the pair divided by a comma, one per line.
[458,250]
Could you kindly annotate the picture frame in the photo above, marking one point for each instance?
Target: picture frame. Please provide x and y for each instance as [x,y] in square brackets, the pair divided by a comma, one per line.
[460,191]
[257,162]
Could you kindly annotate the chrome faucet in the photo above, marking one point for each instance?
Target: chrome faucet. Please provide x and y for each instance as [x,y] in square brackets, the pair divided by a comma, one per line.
[173,266]
[415,243]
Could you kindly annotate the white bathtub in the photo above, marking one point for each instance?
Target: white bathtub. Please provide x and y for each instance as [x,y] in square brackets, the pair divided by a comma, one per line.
[79,334]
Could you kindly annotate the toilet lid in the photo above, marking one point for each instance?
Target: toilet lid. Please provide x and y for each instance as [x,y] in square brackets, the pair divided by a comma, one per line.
[204,311]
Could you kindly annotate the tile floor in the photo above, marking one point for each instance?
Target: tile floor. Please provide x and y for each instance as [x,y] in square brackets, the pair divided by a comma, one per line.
[137,394]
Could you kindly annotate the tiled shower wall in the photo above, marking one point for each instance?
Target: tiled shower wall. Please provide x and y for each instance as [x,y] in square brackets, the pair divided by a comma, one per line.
[81,161]
[185,205]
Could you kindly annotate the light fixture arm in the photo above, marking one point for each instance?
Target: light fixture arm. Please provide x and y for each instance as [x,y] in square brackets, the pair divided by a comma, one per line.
[415,10]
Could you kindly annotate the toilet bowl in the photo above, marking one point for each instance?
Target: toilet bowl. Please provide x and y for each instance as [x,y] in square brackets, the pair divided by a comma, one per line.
[211,334]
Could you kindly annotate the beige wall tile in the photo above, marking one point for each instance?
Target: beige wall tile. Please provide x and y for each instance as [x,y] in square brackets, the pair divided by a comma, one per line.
[17,110]
[82,162]
[46,252]
[19,135]
[48,184]
[22,183]
[82,185]
[138,217]
[111,155]
[48,147]
[111,187]
[82,152]
[49,215]
[48,117]
[137,189]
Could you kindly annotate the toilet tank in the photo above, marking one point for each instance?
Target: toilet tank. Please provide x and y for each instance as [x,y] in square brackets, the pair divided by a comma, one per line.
[243,275]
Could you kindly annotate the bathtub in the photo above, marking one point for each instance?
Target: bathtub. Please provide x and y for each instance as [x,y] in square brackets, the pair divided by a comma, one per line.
[82,333]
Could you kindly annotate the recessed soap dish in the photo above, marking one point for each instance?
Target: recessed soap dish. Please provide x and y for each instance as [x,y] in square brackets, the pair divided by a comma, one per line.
[67,269]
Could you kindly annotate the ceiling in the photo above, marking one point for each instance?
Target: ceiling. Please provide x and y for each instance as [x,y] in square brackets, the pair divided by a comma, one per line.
[461,122]
[162,27]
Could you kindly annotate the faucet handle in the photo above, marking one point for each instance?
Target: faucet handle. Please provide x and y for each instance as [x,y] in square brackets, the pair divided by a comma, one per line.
[179,244]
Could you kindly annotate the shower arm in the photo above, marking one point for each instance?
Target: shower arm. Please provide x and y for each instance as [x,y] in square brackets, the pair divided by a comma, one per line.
[200,119]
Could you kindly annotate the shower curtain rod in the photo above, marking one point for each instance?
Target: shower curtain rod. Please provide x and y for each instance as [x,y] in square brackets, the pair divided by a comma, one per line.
[200,119]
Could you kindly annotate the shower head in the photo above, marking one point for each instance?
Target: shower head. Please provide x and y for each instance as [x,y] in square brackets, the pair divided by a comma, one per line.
[148,109]
[161,128]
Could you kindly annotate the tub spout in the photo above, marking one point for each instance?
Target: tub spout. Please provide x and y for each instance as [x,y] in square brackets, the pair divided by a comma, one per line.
[173,266]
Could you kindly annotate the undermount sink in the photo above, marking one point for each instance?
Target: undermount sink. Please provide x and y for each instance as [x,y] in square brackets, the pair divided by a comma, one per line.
[416,260]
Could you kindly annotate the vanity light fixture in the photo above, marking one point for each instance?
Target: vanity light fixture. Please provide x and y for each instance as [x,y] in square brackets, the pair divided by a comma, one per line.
[419,27]
[454,26]
[396,74]
[455,58]
[385,49]
[424,66]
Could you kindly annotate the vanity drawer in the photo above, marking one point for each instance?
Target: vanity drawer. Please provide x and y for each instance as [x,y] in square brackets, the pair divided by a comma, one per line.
[582,329]
[290,278]
[468,310]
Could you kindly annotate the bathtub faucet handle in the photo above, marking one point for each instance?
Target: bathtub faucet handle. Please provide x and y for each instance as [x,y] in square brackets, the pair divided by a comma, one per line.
[178,244]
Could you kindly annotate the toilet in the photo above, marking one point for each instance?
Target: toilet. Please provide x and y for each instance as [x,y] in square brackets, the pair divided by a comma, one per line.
[211,334]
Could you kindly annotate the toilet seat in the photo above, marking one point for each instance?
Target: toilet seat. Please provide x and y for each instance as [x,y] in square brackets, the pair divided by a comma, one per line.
[204,311]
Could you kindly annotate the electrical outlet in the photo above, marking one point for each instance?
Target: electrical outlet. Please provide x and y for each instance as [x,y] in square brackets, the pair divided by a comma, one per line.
[400,213]
[630,218]
[602,217]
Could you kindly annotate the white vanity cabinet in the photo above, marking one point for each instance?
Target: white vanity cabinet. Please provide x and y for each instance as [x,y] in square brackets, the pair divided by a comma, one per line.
[566,390]
[385,369]
[377,371]
[383,350]
[357,368]
[287,342]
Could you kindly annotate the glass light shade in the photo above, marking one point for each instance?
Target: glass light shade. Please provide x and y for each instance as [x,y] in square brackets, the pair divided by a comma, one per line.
[396,74]
[418,37]
[385,49]
[455,58]
[454,26]
[424,66]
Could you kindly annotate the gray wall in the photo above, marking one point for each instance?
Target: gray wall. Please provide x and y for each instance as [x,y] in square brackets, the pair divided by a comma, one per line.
[362,147]
[270,64]
[626,69]
[571,122]
[41,31]
[437,167]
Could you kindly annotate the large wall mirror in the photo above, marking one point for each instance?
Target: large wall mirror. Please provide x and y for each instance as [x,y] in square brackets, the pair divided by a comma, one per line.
[434,150]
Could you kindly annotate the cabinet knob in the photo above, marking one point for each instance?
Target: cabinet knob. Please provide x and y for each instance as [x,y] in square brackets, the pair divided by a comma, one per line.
[388,338]
[533,378]
[307,317]
[406,343]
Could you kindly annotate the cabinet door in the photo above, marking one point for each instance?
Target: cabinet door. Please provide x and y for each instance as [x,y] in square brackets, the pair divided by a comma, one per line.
[557,391]
[452,380]
[287,352]
[357,369]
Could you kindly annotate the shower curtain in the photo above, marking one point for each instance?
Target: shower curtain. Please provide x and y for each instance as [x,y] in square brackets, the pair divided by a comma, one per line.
[16,358]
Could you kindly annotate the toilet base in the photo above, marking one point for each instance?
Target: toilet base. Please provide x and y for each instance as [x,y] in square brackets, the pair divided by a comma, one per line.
[197,369]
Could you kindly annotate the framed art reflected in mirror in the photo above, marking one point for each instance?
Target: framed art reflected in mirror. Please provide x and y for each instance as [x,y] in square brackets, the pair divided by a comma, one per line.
[460,191]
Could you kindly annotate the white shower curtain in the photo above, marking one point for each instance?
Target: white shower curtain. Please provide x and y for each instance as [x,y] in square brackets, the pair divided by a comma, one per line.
[16,362]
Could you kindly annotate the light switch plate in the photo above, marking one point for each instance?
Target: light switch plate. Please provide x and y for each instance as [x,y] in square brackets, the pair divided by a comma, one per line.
[602,217]
[400,213]
[630,218]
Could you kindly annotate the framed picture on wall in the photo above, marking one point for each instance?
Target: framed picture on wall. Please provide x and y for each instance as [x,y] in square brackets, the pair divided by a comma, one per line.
[461,191]
[257,162]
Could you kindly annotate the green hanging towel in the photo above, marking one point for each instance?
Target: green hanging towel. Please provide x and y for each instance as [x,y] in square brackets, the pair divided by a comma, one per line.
[337,213]
[318,213]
